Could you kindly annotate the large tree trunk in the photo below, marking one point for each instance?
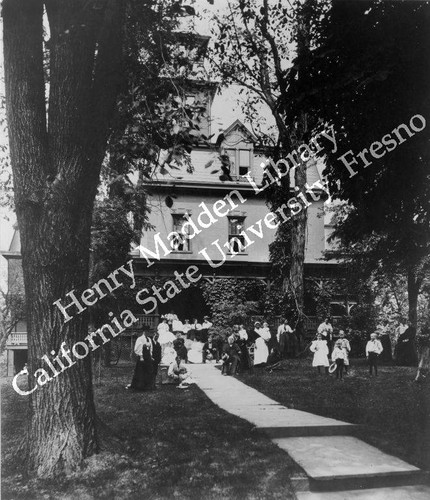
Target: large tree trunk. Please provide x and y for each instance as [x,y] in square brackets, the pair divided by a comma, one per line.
[62,413]
[56,172]
[424,350]
[298,231]
[413,292]
[298,243]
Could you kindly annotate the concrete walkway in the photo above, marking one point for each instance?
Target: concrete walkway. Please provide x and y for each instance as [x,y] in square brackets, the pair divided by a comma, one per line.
[336,465]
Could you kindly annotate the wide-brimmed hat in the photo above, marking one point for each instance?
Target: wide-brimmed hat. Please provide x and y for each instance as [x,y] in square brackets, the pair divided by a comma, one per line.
[332,367]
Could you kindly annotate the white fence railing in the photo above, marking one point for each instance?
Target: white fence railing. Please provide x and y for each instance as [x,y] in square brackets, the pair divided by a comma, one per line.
[17,339]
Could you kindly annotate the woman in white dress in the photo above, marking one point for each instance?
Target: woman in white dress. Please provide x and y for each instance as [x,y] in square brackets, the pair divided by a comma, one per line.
[165,336]
[195,354]
[320,350]
[261,351]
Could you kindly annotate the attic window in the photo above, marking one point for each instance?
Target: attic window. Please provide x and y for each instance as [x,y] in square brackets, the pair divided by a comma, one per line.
[244,161]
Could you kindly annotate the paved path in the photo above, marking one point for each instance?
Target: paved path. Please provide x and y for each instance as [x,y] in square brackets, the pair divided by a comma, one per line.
[338,466]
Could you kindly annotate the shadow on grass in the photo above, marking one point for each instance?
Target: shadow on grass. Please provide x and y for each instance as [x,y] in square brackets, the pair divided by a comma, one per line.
[394,411]
[163,444]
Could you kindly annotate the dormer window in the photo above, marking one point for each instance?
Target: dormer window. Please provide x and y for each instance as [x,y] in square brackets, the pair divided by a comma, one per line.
[244,161]
[238,143]
[240,161]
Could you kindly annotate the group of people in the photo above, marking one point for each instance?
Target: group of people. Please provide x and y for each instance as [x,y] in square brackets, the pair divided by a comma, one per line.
[183,338]
[173,344]
[198,344]
[195,330]
[339,355]
[265,347]
[324,348]
[176,344]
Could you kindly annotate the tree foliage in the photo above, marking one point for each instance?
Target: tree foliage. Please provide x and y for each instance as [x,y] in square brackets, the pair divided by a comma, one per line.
[368,74]
[58,134]
[233,301]
[255,45]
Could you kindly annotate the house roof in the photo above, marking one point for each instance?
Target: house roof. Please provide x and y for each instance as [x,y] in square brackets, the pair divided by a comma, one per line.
[238,125]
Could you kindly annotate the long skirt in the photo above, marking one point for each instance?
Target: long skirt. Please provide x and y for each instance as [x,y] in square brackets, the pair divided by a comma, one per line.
[245,358]
[143,377]
[261,352]
[406,353]
[320,359]
[291,345]
[195,356]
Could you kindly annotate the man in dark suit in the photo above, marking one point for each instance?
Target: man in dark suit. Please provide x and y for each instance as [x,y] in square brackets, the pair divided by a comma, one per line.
[230,356]
[210,350]
[156,357]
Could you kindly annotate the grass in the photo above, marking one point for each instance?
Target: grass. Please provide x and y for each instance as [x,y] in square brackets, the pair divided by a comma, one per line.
[165,444]
[394,411]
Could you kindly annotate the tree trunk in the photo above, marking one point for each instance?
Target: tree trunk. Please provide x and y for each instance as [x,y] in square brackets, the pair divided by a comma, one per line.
[62,414]
[56,172]
[107,355]
[413,292]
[298,242]
[298,231]
[424,350]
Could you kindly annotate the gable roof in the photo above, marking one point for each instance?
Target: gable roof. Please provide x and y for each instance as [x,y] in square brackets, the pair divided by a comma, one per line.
[238,125]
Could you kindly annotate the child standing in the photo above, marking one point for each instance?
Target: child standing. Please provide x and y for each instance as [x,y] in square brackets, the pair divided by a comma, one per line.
[346,348]
[320,350]
[338,356]
[373,350]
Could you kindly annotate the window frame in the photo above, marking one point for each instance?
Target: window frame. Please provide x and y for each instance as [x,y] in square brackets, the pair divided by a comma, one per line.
[231,236]
[187,241]
[239,165]
[234,155]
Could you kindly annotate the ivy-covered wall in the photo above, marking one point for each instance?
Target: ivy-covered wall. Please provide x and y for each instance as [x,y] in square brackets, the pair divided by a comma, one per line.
[233,301]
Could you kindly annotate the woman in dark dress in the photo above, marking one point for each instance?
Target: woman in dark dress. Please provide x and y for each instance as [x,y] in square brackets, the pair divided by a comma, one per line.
[143,372]
[406,351]
[156,358]
[242,341]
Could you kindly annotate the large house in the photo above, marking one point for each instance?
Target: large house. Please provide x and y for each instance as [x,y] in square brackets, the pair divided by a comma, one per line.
[222,211]
[219,250]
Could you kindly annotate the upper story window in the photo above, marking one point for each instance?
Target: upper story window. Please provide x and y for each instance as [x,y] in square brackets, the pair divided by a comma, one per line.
[235,239]
[244,161]
[240,161]
[232,155]
[181,243]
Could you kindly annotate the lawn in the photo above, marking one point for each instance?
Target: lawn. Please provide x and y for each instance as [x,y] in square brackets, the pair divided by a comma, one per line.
[165,444]
[394,411]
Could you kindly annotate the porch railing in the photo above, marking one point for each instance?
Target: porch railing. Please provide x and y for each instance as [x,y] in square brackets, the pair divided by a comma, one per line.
[16,339]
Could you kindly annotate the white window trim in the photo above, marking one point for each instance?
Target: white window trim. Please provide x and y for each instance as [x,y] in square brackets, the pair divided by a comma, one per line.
[233,215]
[237,160]
[181,212]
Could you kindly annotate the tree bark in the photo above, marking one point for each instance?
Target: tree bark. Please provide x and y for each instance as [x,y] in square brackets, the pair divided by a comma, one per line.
[298,244]
[56,172]
[413,292]
[424,350]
